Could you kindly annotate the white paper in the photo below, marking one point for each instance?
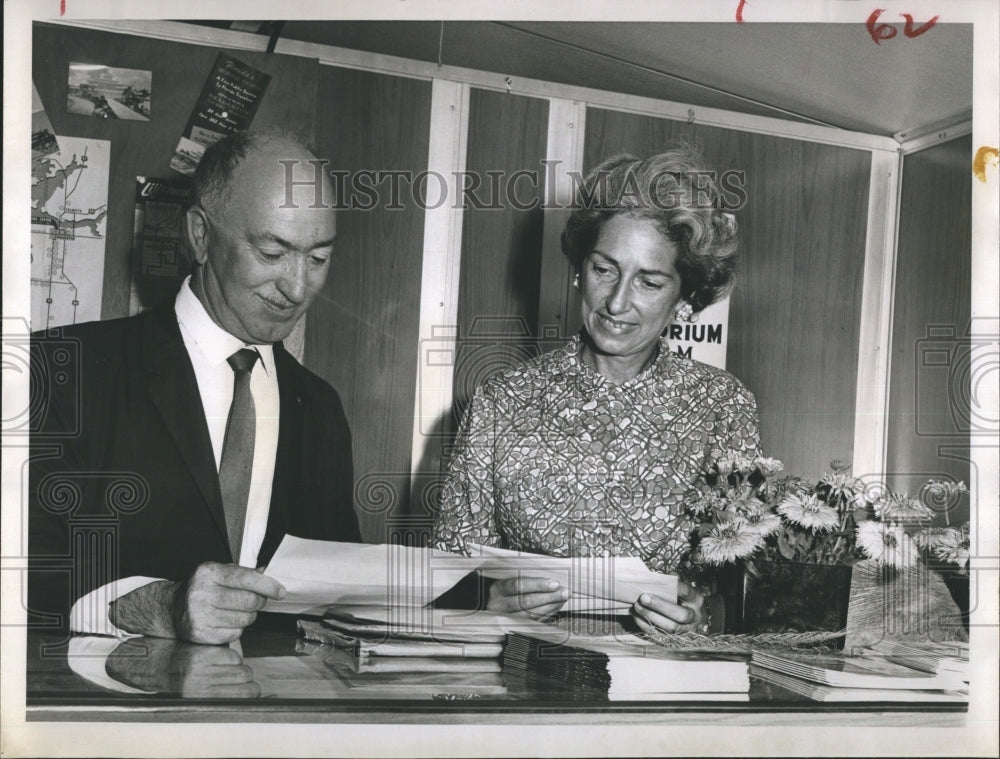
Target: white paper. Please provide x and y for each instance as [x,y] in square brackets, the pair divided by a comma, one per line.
[317,573]
[594,581]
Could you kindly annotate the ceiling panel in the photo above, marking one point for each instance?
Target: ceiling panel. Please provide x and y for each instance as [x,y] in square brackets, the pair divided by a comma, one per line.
[827,73]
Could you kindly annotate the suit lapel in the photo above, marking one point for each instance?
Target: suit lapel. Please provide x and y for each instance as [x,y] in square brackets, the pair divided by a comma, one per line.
[286,488]
[173,389]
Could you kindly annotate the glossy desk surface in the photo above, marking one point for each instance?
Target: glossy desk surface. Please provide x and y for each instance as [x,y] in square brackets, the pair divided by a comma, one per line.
[274,676]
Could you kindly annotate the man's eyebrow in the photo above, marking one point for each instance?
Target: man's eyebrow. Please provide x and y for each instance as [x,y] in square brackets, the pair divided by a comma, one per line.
[271,237]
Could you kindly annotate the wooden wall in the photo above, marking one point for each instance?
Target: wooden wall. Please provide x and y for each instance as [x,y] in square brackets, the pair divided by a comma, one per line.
[931,388]
[501,244]
[794,315]
[361,332]
[795,312]
[144,148]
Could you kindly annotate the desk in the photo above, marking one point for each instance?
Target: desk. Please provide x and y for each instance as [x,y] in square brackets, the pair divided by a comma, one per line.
[292,685]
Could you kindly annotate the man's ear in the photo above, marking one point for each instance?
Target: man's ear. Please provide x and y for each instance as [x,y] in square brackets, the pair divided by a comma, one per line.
[197,233]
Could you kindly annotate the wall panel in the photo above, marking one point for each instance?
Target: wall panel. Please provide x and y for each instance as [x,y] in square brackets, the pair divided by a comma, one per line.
[794,315]
[144,148]
[930,382]
[502,240]
[361,334]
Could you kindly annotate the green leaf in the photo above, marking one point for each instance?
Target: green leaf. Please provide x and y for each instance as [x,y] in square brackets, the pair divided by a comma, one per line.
[785,545]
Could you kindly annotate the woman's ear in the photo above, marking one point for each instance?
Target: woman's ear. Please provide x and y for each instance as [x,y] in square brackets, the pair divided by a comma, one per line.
[197,233]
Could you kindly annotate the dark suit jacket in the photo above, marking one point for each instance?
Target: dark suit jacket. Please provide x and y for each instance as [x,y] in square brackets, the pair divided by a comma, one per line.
[123,479]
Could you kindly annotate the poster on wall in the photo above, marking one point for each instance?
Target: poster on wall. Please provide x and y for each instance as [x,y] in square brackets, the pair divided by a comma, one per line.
[107,92]
[69,203]
[160,254]
[227,104]
[704,339]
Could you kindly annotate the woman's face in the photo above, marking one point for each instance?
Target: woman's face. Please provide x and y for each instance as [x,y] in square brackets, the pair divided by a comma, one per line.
[630,287]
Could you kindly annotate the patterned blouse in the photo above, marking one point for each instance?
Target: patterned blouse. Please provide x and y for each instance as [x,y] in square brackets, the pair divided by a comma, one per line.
[553,458]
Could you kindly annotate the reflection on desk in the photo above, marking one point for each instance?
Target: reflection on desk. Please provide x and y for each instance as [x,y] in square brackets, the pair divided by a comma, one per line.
[272,674]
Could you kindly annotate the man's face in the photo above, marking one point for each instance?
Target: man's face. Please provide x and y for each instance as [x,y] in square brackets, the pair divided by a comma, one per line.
[263,264]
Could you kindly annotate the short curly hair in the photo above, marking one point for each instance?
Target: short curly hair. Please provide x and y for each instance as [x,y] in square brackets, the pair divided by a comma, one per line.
[677,193]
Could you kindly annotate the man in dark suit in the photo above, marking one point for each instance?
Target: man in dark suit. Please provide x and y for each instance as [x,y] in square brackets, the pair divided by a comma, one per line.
[173,450]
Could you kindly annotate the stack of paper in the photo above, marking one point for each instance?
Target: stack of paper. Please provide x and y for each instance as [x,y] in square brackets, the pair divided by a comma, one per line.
[856,678]
[378,653]
[604,668]
[403,677]
[936,658]
[363,645]
[818,692]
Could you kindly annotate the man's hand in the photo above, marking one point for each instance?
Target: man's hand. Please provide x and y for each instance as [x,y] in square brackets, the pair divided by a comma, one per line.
[158,665]
[219,601]
[213,606]
[534,596]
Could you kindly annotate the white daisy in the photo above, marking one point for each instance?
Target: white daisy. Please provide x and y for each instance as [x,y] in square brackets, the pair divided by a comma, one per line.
[954,547]
[900,507]
[808,511]
[943,497]
[759,517]
[843,489]
[768,466]
[728,542]
[946,490]
[886,544]
[950,544]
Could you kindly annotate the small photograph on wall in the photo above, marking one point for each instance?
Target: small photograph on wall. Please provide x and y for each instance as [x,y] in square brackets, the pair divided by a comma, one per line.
[109,92]
[43,138]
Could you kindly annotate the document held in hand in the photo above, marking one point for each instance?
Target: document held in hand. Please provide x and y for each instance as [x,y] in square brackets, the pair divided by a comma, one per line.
[599,584]
[317,574]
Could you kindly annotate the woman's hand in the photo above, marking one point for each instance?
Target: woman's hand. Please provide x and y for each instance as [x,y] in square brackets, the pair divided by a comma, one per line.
[534,596]
[654,614]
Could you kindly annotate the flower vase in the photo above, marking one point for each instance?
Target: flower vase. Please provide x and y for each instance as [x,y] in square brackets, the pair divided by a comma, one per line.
[788,596]
[958,586]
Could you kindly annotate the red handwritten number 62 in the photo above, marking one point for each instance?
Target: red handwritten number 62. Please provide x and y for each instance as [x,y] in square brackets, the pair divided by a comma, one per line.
[881,32]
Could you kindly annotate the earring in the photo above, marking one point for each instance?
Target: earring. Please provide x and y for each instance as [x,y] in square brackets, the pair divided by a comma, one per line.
[685,312]
[576,281]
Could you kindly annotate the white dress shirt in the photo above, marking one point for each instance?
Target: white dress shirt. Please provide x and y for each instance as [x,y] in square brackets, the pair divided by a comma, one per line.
[208,346]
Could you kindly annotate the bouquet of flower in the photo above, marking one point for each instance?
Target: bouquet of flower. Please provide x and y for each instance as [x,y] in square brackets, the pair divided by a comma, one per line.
[949,545]
[746,513]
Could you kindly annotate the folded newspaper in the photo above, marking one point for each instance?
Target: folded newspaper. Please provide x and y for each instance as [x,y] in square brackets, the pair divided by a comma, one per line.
[317,574]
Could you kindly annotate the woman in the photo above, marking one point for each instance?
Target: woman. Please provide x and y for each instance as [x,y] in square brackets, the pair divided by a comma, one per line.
[593,449]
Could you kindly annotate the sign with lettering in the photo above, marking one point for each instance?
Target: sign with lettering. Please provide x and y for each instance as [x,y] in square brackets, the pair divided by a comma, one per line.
[705,339]
[227,104]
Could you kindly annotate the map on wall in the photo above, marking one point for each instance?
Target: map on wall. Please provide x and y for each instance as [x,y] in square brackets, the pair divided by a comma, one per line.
[69,203]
